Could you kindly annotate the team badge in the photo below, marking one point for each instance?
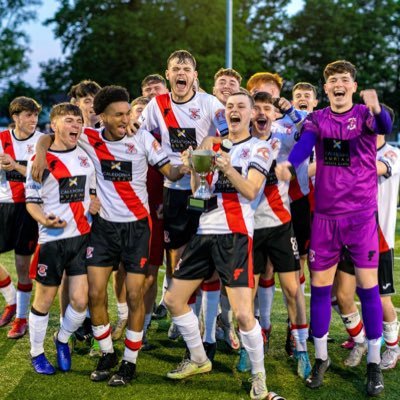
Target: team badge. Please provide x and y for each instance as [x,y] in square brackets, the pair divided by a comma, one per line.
[84,161]
[130,148]
[245,153]
[352,124]
[89,252]
[166,237]
[311,255]
[194,113]
[42,270]
[30,148]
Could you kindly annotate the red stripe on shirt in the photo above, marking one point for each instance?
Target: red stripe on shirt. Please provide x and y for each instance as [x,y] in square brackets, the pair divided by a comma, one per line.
[295,192]
[124,189]
[275,202]
[234,213]
[17,188]
[59,170]
[383,245]
[165,106]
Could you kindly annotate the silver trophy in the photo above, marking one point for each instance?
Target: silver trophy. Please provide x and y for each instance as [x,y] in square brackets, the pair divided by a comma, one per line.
[203,162]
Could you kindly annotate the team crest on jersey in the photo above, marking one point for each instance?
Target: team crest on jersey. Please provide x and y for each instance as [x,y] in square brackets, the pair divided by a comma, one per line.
[194,113]
[166,237]
[84,161]
[311,255]
[352,124]
[130,148]
[42,270]
[89,252]
[245,153]
[30,148]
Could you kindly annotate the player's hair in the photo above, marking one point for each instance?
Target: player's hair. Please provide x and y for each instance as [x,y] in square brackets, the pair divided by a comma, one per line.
[84,88]
[340,67]
[182,56]
[264,77]
[140,100]
[107,95]
[153,78]
[62,109]
[248,95]
[228,72]
[304,86]
[389,110]
[263,97]
[23,103]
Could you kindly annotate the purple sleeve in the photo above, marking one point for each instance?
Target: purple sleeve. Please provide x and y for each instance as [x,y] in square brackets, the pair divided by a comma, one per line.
[382,122]
[303,148]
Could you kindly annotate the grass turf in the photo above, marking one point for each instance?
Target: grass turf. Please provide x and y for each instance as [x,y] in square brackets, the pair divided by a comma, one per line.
[19,382]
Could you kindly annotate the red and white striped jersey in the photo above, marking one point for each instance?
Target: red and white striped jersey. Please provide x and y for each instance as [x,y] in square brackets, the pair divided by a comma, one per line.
[121,170]
[235,214]
[65,192]
[286,131]
[274,206]
[12,183]
[182,125]
[388,189]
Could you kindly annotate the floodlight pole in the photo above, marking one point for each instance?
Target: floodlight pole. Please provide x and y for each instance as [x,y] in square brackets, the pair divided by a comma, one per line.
[228,40]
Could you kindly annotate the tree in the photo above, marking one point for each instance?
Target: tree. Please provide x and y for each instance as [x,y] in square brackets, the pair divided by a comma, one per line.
[120,42]
[365,32]
[14,41]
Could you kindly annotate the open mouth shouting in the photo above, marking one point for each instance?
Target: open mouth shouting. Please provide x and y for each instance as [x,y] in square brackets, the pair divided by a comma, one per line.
[234,120]
[339,93]
[181,84]
[261,123]
[303,105]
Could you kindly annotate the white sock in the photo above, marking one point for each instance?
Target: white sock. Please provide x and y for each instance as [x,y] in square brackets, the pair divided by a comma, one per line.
[102,333]
[147,320]
[210,311]
[188,326]
[166,283]
[133,343]
[300,334]
[9,293]
[374,351]
[391,333]
[23,300]
[71,322]
[122,310]
[226,311]
[37,332]
[354,326]
[253,343]
[266,292]
[321,347]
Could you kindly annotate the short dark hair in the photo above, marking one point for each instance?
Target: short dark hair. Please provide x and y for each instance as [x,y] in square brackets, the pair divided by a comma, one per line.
[339,67]
[153,78]
[246,95]
[228,72]
[107,95]
[23,103]
[140,100]
[182,56]
[62,109]
[304,86]
[263,97]
[84,88]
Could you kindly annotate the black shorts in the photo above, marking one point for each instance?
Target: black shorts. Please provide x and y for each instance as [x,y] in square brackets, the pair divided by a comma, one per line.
[385,271]
[301,219]
[179,224]
[230,255]
[19,231]
[114,242]
[279,244]
[51,259]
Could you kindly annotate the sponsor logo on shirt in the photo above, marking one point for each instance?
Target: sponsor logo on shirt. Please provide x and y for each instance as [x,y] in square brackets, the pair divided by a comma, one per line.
[72,189]
[116,171]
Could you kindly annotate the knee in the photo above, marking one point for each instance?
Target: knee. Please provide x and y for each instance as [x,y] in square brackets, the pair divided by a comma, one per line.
[97,295]
[291,292]
[245,319]
[79,301]
[345,301]
[134,298]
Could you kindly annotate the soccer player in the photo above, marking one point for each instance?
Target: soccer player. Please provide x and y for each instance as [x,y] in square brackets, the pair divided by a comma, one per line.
[82,94]
[275,246]
[388,168]
[153,85]
[226,82]
[345,208]
[223,242]
[61,206]
[304,96]
[182,118]
[19,231]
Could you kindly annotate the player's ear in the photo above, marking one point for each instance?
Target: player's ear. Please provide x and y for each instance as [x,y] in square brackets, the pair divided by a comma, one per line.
[167,75]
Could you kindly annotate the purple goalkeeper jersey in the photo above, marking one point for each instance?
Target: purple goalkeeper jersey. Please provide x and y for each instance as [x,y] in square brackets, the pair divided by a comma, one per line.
[345,146]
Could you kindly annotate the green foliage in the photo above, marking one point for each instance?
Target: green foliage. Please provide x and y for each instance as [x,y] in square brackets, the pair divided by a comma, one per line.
[14,41]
